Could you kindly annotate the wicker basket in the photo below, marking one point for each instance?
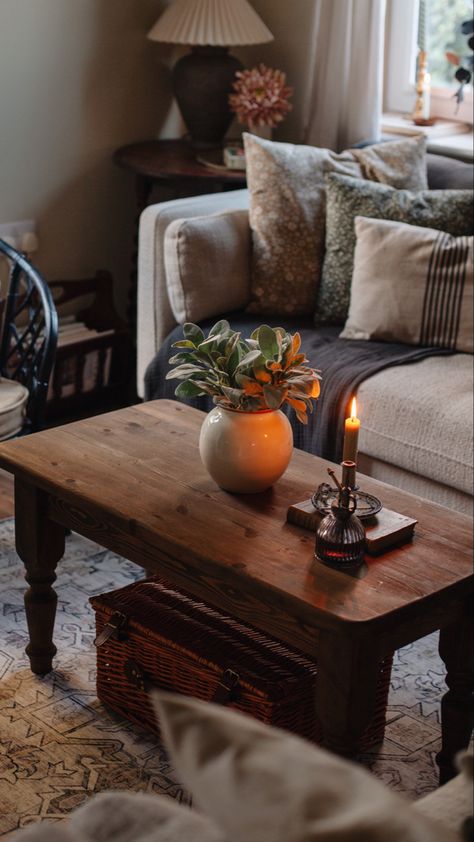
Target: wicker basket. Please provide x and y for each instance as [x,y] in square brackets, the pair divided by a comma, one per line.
[151,635]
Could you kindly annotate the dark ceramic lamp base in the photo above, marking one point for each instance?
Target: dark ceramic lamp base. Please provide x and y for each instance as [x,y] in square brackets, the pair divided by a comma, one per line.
[202,82]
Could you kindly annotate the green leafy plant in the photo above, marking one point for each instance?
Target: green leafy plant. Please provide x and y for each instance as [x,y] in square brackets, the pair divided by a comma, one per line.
[250,375]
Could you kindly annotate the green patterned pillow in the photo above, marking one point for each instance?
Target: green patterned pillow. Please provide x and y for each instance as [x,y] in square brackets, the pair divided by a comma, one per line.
[346,198]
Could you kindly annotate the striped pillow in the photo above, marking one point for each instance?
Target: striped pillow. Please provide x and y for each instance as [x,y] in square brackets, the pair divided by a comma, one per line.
[411,284]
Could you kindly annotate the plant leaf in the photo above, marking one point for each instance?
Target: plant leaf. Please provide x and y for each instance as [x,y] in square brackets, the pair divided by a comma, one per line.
[180,358]
[297,404]
[252,343]
[250,387]
[220,327]
[183,343]
[184,370]
[249,358]
[316,389]
[262,375]
[231,344]
[188,389]
[208,388]
[234,360]
[253,403]
[273,366]
[234,395]
[209,344]
[295,344]
[273,396]
[193,332]
[268,341]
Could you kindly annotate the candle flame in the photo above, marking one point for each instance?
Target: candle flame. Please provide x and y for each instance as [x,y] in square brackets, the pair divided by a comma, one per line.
[354,408]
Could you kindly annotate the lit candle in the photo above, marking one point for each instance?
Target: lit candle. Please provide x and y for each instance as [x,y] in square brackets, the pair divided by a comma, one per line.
[351,435]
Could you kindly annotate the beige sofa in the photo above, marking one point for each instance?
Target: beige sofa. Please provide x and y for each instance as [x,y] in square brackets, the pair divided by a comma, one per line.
[418,420]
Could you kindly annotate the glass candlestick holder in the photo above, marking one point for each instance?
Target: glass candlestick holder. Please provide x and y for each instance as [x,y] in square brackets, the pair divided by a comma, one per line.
[340,537]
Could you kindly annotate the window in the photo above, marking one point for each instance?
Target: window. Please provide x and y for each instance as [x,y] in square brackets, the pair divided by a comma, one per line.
[441,30]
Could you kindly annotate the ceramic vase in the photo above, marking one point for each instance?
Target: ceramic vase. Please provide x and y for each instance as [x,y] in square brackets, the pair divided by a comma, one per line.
[245,452]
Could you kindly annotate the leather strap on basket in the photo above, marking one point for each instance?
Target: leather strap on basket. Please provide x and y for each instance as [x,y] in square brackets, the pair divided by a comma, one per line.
[225,691]
[113,629]
[227,688]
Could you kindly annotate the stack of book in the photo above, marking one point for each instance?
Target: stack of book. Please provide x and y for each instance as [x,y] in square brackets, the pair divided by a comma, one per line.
[80,369]
[382,531]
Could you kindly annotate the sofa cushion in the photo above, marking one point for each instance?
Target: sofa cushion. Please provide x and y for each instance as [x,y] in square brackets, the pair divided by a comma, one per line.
[207,265]
[445,210]
[421,418]
[260,784]
[287,210]
[448,173]
[411,284]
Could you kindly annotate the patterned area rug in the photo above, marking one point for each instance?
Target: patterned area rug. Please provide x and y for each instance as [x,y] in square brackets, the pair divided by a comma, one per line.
[59,745]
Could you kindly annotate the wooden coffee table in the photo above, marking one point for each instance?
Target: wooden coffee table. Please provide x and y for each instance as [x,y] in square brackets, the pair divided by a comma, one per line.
[132,480]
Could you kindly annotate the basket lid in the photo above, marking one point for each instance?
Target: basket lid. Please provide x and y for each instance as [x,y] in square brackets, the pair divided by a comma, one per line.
[157,607]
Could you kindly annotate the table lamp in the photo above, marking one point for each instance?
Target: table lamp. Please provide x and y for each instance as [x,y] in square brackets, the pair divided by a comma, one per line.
[202,79]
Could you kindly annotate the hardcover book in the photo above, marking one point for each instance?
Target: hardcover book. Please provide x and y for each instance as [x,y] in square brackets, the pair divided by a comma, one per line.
[382,531]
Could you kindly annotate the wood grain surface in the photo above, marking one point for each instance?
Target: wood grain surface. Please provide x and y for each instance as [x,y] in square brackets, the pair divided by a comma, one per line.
[166,160]
[133,481]
[138,470]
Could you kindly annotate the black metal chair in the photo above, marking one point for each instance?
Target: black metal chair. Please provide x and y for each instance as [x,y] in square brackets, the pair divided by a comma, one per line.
[28,335]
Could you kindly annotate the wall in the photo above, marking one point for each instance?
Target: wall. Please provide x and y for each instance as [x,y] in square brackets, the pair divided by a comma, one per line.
[78,78]
[292,26]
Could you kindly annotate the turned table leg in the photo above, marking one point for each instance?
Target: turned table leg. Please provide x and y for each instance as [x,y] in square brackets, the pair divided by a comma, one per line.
[346,688]
[457,651]
[40,545]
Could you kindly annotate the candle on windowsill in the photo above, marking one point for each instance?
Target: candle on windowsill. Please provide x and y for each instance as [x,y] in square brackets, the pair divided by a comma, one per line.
[351,435]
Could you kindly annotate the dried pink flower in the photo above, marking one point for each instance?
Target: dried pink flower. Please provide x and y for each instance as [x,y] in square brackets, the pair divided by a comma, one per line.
[261,97]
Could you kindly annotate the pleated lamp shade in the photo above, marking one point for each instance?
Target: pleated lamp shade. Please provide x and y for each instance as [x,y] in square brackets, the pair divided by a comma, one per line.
[217,23]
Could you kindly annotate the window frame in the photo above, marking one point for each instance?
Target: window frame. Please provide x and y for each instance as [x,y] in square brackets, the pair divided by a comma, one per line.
[400,68]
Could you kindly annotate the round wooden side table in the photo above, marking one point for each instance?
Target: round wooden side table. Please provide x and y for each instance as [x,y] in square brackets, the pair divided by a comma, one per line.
[173,163]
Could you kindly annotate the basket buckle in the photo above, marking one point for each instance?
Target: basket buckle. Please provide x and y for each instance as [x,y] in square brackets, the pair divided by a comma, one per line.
[225,690]
[112,628]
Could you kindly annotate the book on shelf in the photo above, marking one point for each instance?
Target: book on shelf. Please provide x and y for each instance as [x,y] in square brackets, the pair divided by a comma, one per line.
[382,531]
[72,332]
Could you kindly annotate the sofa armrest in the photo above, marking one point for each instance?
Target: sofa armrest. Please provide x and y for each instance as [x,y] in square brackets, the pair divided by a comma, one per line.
[154,315]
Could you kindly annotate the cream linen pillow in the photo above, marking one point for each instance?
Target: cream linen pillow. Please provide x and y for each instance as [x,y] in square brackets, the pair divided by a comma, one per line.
[346,198]
[260,784]
[411,284]
[287,211]
[207,265]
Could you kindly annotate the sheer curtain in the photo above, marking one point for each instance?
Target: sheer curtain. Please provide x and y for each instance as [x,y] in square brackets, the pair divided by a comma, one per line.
[344,100]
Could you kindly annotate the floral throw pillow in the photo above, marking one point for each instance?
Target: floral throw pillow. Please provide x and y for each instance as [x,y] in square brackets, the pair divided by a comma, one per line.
[445,210]
[287,211]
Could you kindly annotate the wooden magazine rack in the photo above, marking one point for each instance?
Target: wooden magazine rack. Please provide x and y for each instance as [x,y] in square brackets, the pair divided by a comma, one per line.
[92,364]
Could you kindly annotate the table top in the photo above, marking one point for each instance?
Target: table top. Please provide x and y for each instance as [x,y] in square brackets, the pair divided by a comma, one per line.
[140,469]
[171,159]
